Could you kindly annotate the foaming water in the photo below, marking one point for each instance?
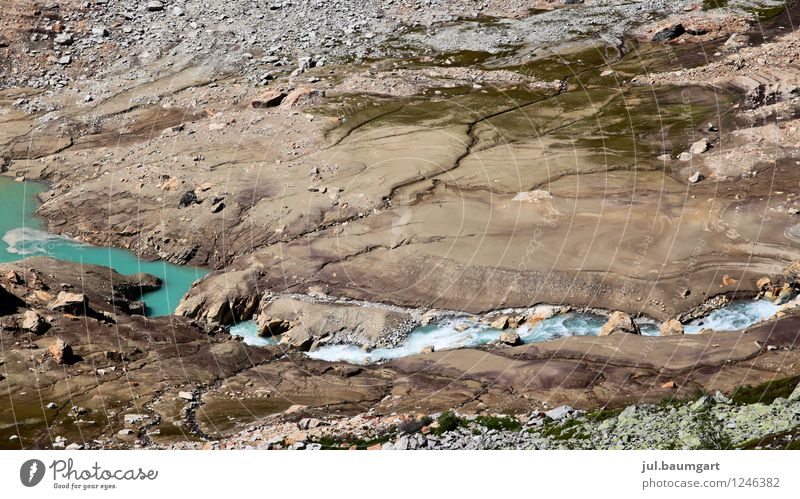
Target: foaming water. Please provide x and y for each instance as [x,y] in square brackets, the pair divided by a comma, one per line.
[737,315]
[24,235]
[448,337]
[249,331]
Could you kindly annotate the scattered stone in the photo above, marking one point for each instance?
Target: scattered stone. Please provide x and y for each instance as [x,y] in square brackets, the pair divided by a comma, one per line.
[696,177]
[135,418]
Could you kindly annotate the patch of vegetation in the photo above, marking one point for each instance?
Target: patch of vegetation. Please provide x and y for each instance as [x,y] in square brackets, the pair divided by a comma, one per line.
[765,393]
[330,442]
[673,401]
[506,423]
[411,426]
[449,421]
[766,13]
[710,435]
[572,428]
[603,414]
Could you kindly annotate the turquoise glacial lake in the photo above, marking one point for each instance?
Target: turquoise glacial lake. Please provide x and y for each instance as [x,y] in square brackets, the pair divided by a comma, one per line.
[23,234]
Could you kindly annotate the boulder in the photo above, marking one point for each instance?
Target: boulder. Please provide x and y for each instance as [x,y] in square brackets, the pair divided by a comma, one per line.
[795,395]
[13,277]
[559,413]
[763,283]
[671,327]
[187,199]
[155,6]
[510,338]
[728,280]
[270,98]
[298,338]
[500,322]
[61,352]
[700,146]
[33,322]
[70,303]
[619,322]
[63,39]
[696,177]
[669,33]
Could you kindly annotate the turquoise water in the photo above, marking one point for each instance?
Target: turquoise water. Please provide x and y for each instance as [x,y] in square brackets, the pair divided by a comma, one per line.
[248,330]
[448,336]
[23,234]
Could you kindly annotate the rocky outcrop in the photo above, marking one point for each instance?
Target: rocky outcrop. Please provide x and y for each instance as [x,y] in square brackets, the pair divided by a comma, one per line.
[304,321]
[619,322]
[70,303]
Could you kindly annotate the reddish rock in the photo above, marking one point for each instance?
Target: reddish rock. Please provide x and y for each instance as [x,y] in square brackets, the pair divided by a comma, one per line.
[270,98]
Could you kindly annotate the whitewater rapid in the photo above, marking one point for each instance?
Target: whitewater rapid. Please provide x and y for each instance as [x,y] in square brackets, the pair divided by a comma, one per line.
[449,335]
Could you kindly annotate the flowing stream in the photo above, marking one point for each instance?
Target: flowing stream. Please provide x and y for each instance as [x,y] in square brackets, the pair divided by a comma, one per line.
[448,336]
